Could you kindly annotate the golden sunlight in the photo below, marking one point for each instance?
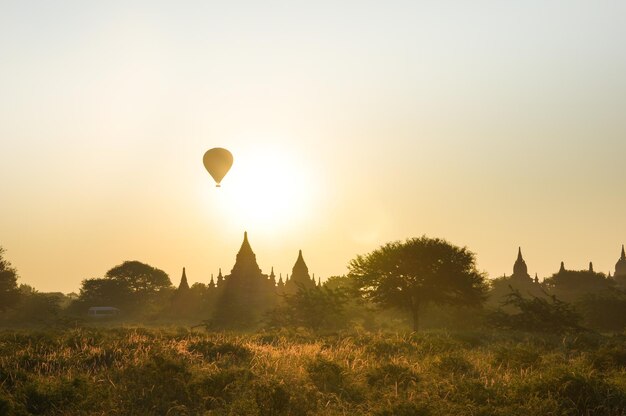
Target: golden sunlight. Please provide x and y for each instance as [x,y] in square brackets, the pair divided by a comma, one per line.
[267,189]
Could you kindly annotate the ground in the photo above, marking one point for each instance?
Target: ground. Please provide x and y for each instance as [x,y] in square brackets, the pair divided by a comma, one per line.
[175,371]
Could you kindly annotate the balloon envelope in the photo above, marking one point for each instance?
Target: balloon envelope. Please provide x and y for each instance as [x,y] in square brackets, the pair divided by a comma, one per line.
[217,162]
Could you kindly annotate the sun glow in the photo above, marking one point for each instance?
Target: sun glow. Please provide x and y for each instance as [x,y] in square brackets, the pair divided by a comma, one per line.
[267,189]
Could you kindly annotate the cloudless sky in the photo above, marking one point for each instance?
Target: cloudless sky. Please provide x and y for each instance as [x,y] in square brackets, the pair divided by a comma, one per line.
[493,124]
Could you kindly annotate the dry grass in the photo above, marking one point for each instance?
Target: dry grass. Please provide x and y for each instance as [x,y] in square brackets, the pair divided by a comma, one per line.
[177,372]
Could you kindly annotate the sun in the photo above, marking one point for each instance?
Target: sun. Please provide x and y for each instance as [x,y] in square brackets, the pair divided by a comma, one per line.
[267,189]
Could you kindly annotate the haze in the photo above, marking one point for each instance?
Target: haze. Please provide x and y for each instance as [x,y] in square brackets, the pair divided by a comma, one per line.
[491,124]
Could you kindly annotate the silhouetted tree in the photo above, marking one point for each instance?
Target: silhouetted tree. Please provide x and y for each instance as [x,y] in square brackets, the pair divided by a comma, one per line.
[419,271]
[500,287]
[9,293]
[140,278]
[536,314]
[314,308]
[131,286]
[37,307]
[605,310]
[105,292]
[571,285]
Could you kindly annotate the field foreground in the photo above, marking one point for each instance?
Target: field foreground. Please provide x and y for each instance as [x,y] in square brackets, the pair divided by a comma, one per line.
[137,371]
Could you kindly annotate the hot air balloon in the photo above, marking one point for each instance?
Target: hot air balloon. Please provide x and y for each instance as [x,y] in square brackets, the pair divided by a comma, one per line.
[217,162]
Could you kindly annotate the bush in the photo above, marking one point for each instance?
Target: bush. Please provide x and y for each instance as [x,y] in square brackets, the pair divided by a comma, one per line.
[156,386]
[536,315]
[272,398]
[518,357]
[218,388]
[212,351]
[392,375]
[315,309]
[454,364]
[63,395]
[327,376]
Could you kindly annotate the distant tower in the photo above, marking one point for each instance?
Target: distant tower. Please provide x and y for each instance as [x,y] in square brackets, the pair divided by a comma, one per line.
[590,267]
[562,269]
[620,270]
[183,286]
[212,282]
[246,293]
[520,270]
[220,279]
[299,276]
[280,283]
[620,266]
[272,277]
[536,278]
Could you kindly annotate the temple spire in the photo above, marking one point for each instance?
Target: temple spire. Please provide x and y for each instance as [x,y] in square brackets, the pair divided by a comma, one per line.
[620,266]
[520,270]
[245,262]
[245,245]
[562,269]
[183,282]
[591,267]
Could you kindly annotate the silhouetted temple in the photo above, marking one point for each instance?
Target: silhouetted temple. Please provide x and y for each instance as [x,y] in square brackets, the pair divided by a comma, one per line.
[184,285]
[620,266]
[620,269]
[300,278]
[244,295]
[520,270]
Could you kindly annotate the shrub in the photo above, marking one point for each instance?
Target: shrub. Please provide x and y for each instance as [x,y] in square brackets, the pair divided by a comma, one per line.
[398,376]
[272,398]
[212,351]
[41,398]
[578,392]
[390,347]
[216,389]
[536,315]
[454,364]
[516,357]
[156,385]
[610,357]
[327,376]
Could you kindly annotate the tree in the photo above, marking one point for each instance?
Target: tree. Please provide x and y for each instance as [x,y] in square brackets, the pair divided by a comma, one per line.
[535,314]
[132,286]
[314,308]
[37,307]
[9,293]
[141,278]
[419,271]
[571,285]
[105,292]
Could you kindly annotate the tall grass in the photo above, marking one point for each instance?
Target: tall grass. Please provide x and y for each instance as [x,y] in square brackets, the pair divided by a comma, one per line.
[126,371]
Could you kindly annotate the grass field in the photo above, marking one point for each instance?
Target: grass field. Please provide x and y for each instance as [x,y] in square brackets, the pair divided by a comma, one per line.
[169,371]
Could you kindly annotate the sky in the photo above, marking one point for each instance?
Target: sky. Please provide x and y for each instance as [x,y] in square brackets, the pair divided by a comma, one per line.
[492,124]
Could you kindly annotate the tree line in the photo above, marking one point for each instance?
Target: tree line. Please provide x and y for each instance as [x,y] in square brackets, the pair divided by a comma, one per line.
[420,282]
